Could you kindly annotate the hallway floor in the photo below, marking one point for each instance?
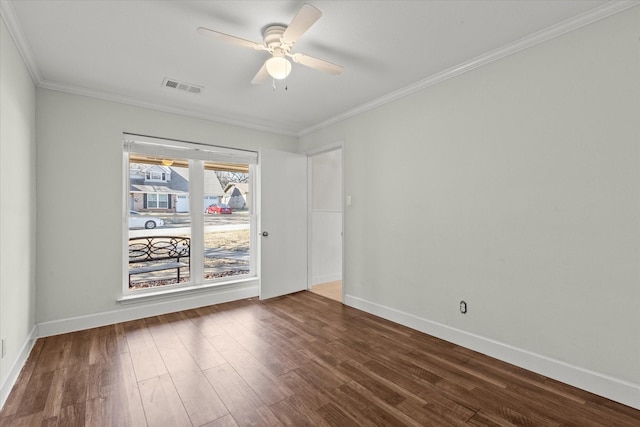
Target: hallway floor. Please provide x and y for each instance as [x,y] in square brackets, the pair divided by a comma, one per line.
[331,290]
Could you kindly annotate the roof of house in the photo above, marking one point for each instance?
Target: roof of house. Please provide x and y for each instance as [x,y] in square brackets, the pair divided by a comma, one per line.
[179,183]
[212,186]
[242,186]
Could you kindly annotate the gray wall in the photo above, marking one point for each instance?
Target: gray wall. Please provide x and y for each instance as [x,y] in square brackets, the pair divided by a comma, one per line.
[521,186]
[80,264]
[17,208]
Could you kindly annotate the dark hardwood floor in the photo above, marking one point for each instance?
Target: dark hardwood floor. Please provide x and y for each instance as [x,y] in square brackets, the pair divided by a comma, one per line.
[297,360]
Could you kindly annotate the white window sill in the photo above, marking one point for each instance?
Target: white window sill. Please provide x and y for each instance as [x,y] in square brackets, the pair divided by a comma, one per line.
[144,296]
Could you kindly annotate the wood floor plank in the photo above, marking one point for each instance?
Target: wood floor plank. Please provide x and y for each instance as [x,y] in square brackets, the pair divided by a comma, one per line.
[404,366]
[147,362]
[20,388]
[72,415]
[408,403]
[323,376]
[274,360]
[27,420]
[282,344]
[246,408]
[76,386]
[54,353]
[98,412]
[247,314]
[267,386]
[162,404]
[337,416]
[313,396]
[105,344]
[232,389]
[481,420]
[56,391]
[130,393]
[350,398]
[226,421]
[207,325]
[198,397]
[293,411]
[36,401]
[195,342]
[295,360]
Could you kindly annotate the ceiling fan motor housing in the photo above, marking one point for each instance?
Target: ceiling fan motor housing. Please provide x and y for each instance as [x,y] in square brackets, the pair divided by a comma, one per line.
[273,38]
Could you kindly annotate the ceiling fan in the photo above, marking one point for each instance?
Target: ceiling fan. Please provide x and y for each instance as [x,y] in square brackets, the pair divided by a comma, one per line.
[278,41]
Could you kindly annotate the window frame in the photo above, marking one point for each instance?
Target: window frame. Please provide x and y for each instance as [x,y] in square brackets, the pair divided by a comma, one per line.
[197,155]
[158,201]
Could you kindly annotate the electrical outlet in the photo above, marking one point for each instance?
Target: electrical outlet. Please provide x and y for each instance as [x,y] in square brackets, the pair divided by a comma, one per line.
[463,307]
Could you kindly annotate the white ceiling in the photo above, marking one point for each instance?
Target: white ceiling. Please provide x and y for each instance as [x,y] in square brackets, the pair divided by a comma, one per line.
[122,50]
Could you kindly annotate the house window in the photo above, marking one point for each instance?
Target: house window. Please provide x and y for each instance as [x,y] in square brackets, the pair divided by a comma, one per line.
[157,201]
[156,176]
[196,239]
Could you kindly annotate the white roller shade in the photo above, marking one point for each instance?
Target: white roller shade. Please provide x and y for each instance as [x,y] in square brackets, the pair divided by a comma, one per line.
[186,150]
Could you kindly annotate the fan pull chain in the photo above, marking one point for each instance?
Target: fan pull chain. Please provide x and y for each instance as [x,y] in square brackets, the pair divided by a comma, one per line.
[274,84]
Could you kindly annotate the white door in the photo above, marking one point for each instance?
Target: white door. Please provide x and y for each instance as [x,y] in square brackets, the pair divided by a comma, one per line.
[182,203]
[283,223]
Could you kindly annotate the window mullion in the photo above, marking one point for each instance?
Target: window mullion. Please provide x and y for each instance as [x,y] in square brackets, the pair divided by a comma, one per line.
[196,207]
[253,222]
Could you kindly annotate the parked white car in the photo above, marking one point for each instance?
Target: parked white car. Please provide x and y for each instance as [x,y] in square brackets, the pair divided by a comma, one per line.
[137,220]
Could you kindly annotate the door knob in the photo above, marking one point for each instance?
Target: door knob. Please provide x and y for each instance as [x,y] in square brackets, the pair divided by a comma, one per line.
[265,233]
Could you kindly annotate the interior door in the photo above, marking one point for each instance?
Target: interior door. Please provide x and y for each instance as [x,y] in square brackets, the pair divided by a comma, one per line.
[283,223]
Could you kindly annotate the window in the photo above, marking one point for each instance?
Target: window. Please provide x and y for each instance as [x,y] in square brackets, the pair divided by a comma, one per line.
[157,201]
[156,176]
[183,228]
[227,226]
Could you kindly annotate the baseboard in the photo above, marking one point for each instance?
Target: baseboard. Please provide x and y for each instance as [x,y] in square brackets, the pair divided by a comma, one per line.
[603,385]
[143,310]
[14,372]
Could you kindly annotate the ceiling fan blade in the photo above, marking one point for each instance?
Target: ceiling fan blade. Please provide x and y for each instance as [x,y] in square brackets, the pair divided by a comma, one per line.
[230,39]
[261,75]
[318,64]
[304,19]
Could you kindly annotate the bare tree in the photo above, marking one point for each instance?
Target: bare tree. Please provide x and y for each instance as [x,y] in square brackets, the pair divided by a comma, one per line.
[226,177]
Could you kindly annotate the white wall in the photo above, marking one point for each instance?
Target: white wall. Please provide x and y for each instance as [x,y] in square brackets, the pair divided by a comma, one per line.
[523,183]
[80,164]
[326,217]
[17,210]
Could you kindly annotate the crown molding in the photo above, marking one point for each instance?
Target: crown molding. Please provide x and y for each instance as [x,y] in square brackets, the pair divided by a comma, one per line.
[76,90]
[17,34]
[593,15]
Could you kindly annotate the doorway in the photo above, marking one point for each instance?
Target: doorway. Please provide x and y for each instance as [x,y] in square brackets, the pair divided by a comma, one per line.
[325,223]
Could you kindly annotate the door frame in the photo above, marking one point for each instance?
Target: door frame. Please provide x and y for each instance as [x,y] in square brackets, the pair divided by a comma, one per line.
[314,152]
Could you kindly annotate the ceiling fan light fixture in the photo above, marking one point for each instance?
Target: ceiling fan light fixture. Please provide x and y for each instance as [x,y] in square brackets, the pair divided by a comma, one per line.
[278,67]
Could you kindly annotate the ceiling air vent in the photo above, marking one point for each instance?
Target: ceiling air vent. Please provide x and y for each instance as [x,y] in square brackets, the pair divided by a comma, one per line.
[184,87]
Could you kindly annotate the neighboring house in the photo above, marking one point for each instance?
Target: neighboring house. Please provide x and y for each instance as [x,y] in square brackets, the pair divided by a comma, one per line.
[166,189]
[235,195]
